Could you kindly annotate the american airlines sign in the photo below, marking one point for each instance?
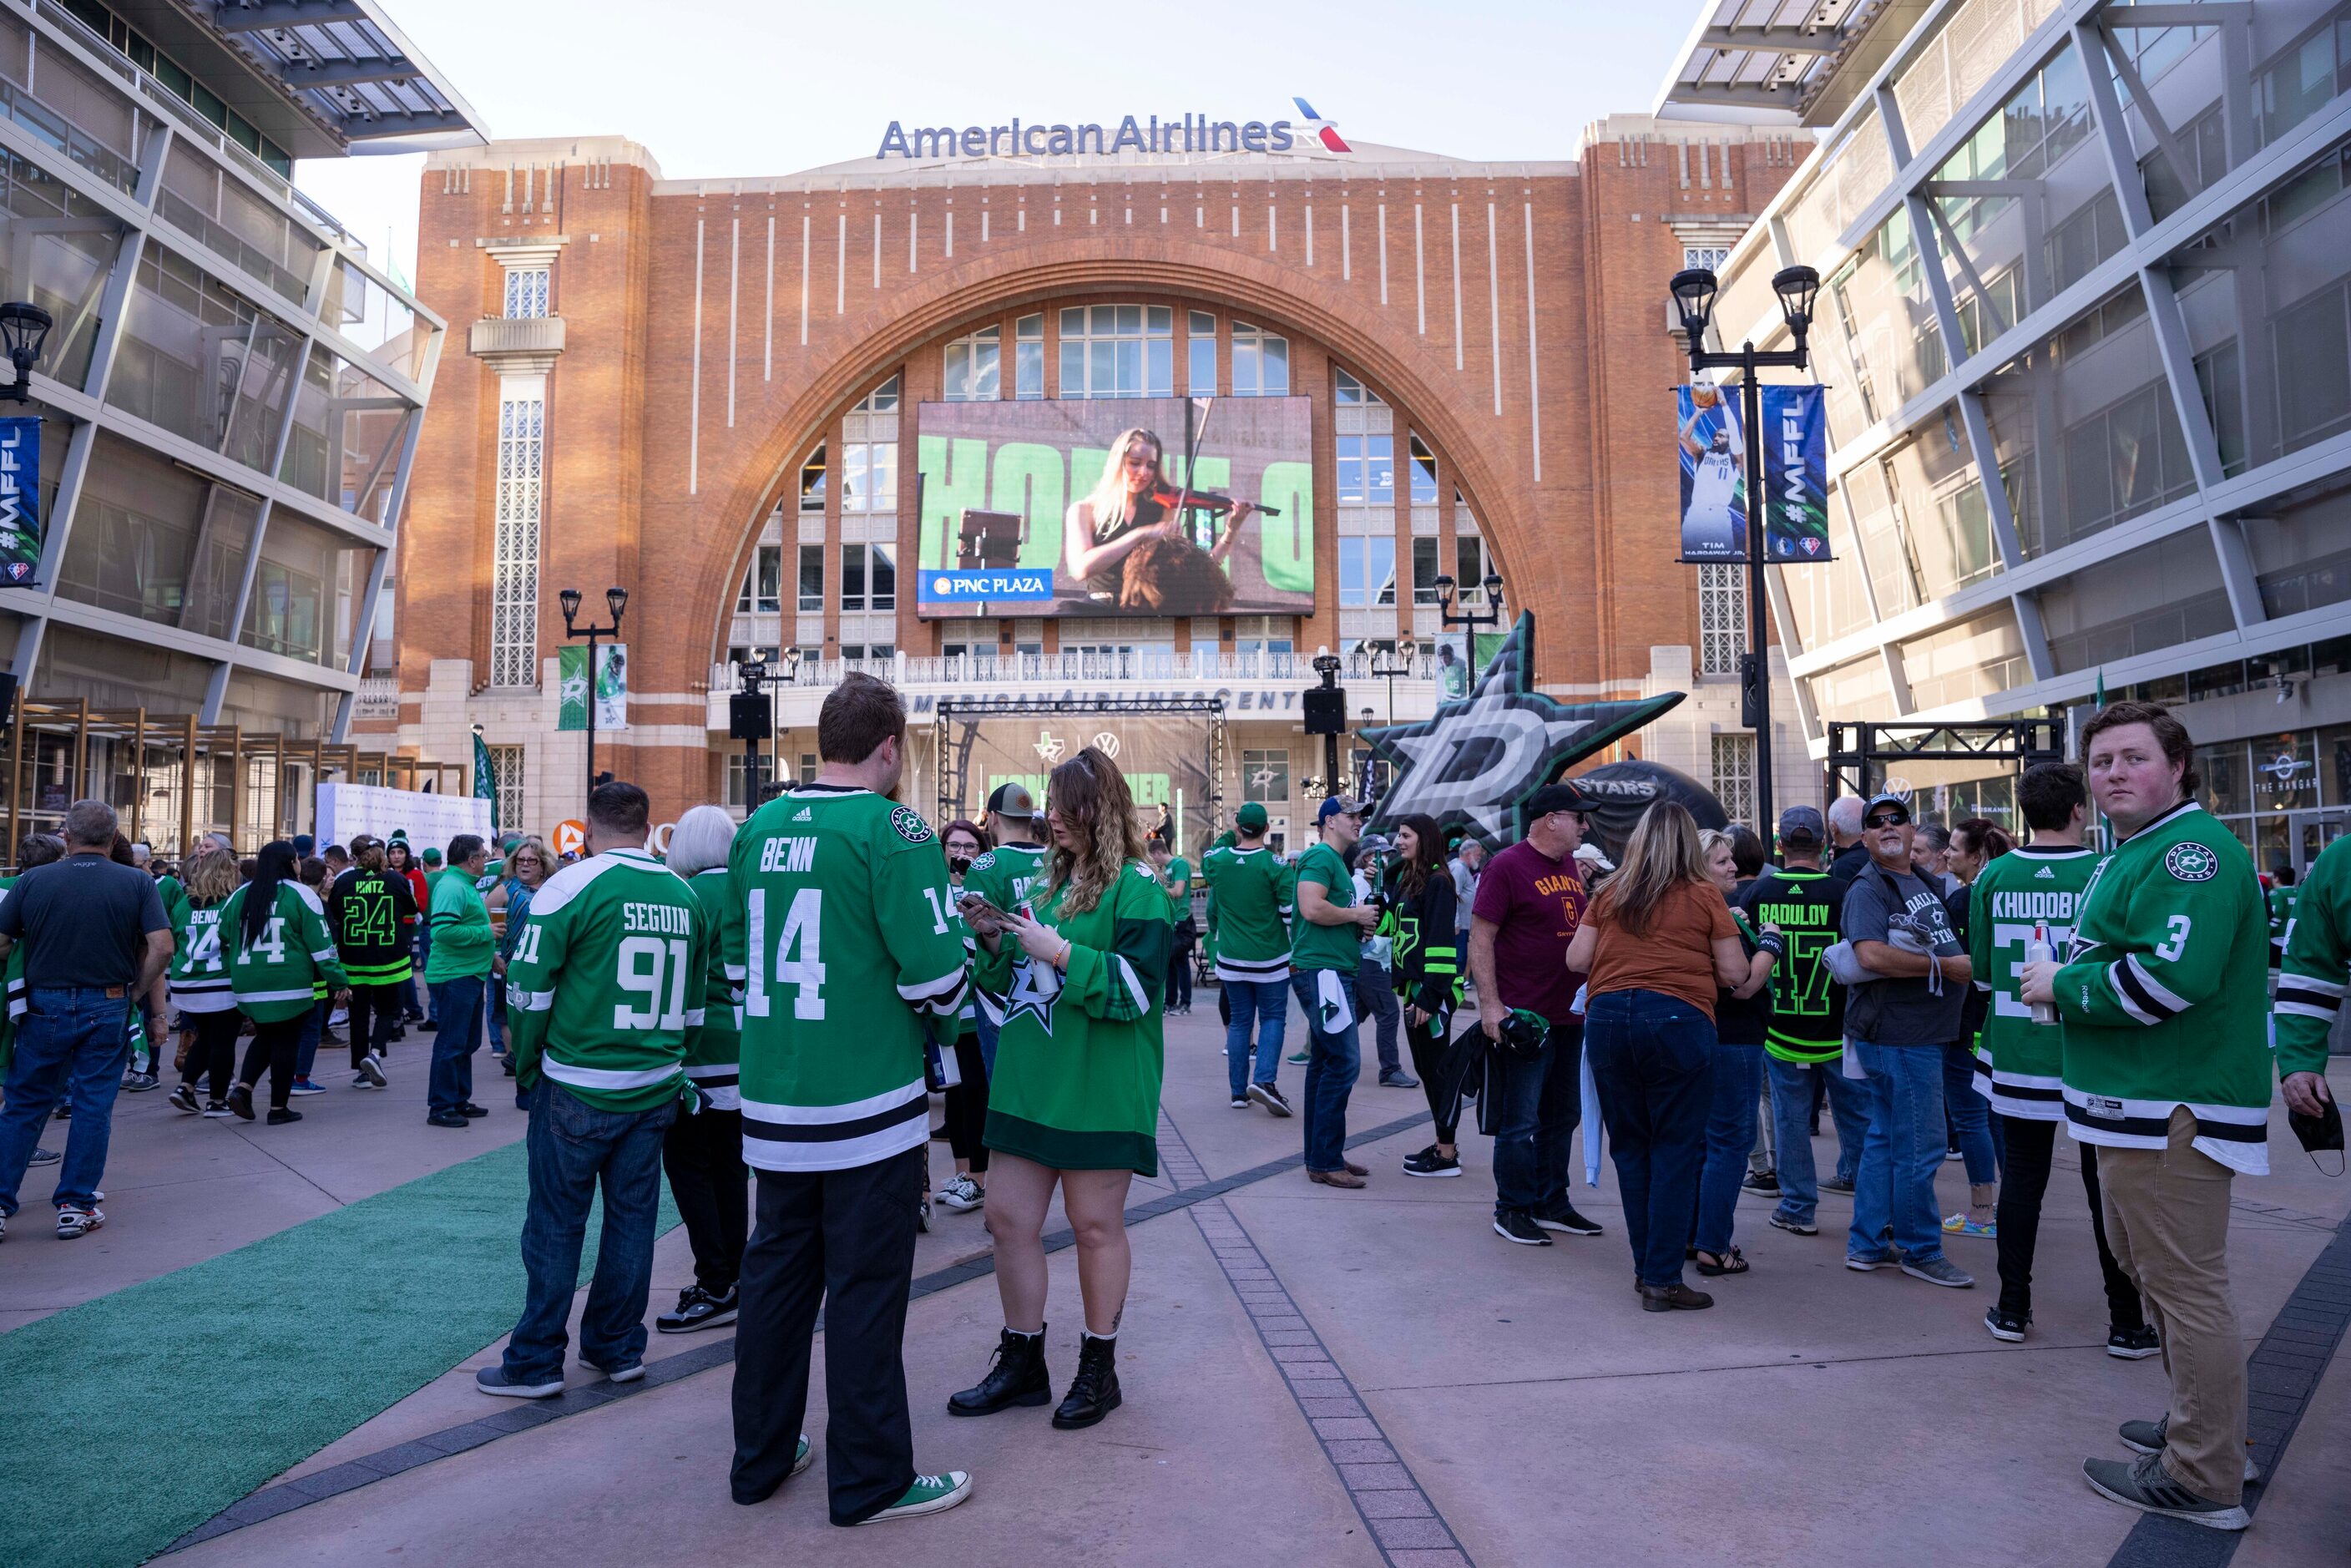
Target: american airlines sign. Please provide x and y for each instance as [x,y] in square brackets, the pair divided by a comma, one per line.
[1149,134]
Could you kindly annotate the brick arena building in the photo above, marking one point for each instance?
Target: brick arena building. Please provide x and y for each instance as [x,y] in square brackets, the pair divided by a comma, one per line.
[713,393]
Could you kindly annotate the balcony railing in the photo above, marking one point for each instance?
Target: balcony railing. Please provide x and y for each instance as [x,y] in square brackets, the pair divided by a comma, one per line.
[495,335]
[1138,667]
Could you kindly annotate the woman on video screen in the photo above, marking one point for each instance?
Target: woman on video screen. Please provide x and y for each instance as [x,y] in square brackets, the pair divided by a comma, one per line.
[1130,549]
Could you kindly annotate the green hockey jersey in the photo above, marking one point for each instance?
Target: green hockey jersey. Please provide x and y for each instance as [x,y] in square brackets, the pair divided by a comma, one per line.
[1313,946]
[608,981]
[2317,963]
[2166,992]
[2021,1065]
[2281,903]
[1250,893]
[199,975]
[850,945]
[275,977]
[712,1052]
[1005,876]
[1078,1062]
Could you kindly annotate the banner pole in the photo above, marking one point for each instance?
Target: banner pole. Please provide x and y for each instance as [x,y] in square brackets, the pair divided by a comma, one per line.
[1751,402]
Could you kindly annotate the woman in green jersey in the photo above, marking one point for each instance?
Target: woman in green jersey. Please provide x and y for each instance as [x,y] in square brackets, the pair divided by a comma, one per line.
[1075,1097]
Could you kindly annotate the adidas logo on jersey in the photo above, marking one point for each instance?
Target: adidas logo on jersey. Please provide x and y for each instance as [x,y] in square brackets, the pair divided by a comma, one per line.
[803,815]
[2045,872]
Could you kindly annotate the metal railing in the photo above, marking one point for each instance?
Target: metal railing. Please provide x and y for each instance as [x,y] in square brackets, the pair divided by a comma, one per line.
[1140,667]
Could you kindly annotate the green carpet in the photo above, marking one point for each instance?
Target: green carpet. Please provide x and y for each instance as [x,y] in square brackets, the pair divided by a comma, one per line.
[132,1418]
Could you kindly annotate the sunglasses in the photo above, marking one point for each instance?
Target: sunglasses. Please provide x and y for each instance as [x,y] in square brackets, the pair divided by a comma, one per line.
[1887,820]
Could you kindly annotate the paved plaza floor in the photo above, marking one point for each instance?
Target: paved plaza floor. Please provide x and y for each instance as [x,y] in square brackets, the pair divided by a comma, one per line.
[1311,1377]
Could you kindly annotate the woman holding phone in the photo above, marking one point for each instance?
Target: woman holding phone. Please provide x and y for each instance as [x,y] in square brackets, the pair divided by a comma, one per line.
[967,1108]
[1075,1098]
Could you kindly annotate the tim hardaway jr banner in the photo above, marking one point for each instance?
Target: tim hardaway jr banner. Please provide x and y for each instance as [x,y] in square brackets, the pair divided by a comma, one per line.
[20,500]
[1711,448]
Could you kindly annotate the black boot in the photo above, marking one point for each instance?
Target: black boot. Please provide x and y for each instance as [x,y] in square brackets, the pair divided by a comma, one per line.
[1017,1378]
[1093,1392]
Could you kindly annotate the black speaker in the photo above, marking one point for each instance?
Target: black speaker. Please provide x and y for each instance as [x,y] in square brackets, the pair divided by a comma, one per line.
[1326,710]
[748,717]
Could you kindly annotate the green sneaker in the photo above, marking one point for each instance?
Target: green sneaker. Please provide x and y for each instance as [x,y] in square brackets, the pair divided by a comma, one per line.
[1297,1056]
[929,1494]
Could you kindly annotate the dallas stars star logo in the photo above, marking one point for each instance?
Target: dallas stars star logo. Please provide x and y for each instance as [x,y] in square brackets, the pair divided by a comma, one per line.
[1478,759]
[1035,989]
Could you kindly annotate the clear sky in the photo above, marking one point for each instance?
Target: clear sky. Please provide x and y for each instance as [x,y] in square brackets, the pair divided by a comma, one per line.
[724,87]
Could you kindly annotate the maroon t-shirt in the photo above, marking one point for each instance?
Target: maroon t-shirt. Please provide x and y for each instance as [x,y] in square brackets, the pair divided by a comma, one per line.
[1535,903]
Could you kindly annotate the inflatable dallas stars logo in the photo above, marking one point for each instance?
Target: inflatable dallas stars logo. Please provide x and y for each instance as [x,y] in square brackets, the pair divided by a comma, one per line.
[1475,763]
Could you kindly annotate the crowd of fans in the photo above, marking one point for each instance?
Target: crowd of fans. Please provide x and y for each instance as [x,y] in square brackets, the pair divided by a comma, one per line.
[789,995]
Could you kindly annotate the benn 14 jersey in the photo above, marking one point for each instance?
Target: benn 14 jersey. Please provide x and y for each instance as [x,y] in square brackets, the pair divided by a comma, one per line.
[852,941]
[2165,994]
[2021,1065]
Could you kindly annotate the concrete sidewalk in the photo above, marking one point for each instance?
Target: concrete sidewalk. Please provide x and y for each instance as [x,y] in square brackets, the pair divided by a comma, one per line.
[1319,1376]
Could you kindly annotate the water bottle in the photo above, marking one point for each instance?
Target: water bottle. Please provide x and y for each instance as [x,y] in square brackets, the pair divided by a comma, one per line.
[2037,951]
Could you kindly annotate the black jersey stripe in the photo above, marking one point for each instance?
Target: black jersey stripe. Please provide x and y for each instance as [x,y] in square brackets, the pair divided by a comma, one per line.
[2126,980]
[836,1132]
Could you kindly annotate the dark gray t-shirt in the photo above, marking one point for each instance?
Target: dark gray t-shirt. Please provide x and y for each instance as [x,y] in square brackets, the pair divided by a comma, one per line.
[83,921]
[1901,1010]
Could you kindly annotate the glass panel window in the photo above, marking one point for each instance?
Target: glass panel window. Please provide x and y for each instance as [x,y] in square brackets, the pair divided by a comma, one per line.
[1265,775]
[869,476]
[1260,362]
[1346,391]
[61,246]
[348,431]
[2301,546]
[156,540]
[2150,599]
[1029,356]
[812,481]
[199,360]
[882,576]
[853,577]
[1734,775]
[1980,657]
[1423,474]
[506,779]
[1118,350]
[1469,564]
[514,573]
[1721,618]
[762,583]
[305,592]
[811,589]
[972,366]
[883,398]
[1878,327]
[1366,469]
[1427,569]
[525,292]
[1367,572]
[1200,353]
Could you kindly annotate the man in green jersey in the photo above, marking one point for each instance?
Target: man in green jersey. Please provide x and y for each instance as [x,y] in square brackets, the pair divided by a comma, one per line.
[2020,1064]
[606,984]
[1807,1031]
[855,955]
[2311,986]
[1249,894]
[1325,951]
[2282,896]
[457,971]
[2164,998]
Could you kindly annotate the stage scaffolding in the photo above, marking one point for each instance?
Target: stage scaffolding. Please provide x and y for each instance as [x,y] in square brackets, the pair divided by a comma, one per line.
[951,774]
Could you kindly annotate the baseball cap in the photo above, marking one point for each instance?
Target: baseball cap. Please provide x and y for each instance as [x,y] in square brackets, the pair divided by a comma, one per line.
[1251,818]
[1560,797]
[432,856]
[1376,844]
[1335,804]
[1884,798]
[1012,799]
[1591,854]
[1803,824]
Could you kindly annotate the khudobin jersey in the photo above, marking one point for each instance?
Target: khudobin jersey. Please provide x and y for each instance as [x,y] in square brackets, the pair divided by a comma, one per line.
[275,977]
[199,975]
[367,912]
[2317,963]
[1807,1004]
[712,1052]
[2021,1065]
[1005,876]
[1078,1062]
[2165,996]
[1250,892]
[850,945]
[608,981]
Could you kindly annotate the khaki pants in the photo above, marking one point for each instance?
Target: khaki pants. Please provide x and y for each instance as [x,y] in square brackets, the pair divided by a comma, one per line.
[2168,1222]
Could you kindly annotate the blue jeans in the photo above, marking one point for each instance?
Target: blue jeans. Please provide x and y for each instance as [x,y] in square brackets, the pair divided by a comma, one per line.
[1792,1121]
[458,1004]
[1737,1075]
[987,1038]
[423,956]
[1969,1114]
[70,1044]
[1268,1002]
[1535,1109]
[1651,1059]
[306,1051]
[1333,1061]
[497,1016]
[1375,999]
[1904,1149]
[574,1148]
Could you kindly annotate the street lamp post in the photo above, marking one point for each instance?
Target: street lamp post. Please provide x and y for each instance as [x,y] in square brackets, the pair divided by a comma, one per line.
[1327,666]
[1447,589]
[1391,666]
[1693,294]
[24,329]
[617,600]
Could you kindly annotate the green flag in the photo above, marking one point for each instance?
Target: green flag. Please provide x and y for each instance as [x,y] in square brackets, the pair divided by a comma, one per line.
[2101,697]
[484,785]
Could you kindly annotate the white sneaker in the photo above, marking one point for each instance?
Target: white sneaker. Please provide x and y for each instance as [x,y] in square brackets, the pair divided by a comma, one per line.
[371,1070]
[963,1195]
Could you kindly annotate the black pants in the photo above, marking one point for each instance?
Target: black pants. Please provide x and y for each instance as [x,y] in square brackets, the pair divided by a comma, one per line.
[845,1240]
[1427,1049]
[375,1013]
[703,1156]
[274,1045]
[2023,1179]
[1179,979]
[213,1054]
[967,1108]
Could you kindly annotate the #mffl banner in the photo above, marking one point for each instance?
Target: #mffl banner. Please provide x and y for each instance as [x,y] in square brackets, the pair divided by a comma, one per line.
[20,499]
[1709,444]
[612,686]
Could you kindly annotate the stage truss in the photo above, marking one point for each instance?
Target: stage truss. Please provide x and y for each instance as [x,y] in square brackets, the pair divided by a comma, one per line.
[951,763]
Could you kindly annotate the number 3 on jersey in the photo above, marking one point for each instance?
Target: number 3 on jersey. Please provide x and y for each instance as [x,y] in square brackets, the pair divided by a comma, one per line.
[800,956]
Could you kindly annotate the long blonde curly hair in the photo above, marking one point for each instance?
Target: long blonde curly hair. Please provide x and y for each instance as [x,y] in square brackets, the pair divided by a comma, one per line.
[1090,794]
[1662,853]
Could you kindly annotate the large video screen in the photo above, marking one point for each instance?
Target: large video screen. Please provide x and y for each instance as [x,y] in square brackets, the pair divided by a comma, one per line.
[1079,506]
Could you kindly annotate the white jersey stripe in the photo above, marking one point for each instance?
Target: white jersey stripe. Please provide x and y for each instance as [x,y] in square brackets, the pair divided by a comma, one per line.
[605,1077]
[791,1116]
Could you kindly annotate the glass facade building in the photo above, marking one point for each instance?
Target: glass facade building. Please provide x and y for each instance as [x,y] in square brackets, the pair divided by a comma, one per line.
[2085,327]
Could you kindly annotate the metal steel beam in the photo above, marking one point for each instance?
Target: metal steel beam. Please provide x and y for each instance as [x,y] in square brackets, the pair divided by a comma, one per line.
[1774,40]
[349,73]
[367,129]
[279,13]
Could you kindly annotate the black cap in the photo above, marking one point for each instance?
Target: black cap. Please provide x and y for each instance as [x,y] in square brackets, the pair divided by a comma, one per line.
[1564,796]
